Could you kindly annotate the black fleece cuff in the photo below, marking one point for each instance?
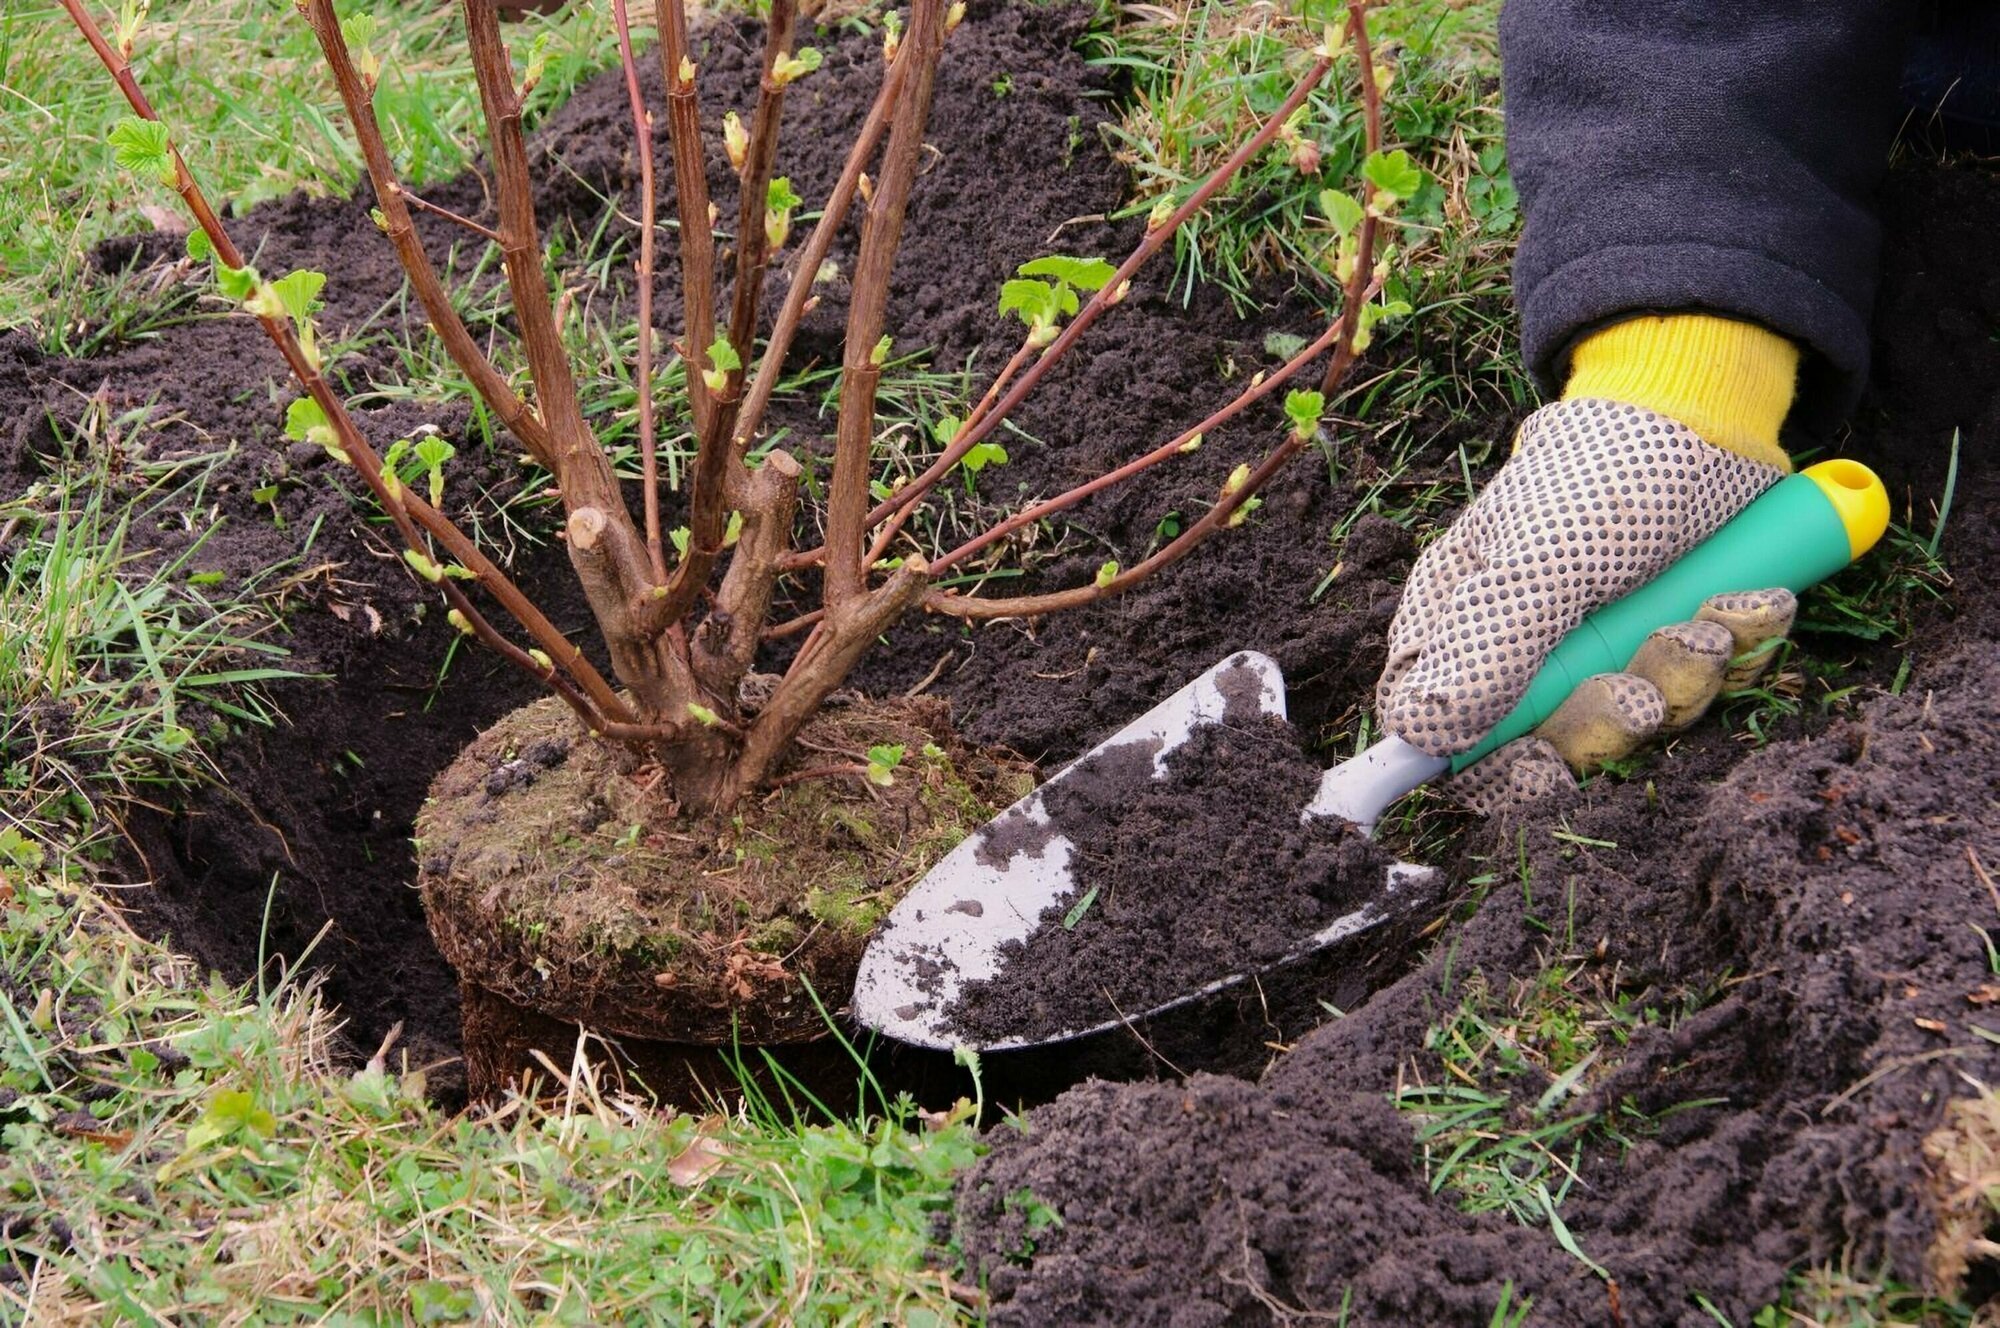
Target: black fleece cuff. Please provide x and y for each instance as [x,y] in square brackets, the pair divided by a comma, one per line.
[1604,286]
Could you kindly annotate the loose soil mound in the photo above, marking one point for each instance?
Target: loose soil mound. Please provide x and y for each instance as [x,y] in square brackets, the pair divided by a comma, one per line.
[1224,1200]
[1801,924]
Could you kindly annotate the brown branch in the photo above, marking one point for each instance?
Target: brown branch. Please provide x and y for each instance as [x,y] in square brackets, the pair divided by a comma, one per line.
[613,565]
[817,671]
[691,200]
[1110,294]
[1250,396]
[642,131]
[395,202]
[423,204]
[751,414]
[727,644]
[404,509]
[1357,291]
[881,235]
[1354,293]
[752,249]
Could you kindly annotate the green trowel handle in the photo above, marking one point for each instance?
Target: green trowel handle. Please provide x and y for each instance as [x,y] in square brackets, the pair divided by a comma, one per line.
[1800,531]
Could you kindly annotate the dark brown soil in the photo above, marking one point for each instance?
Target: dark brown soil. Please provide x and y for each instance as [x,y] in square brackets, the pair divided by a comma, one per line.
[1815,903]
[1223,1200]
[1166,864]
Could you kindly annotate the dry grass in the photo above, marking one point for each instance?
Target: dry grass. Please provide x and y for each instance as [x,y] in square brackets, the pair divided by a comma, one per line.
[174,1150]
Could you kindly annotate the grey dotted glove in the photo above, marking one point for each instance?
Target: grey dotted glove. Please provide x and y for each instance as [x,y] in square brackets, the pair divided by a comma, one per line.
[1598,499]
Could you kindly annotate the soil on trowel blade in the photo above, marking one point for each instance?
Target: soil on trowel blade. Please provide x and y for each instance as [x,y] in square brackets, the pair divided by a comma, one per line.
[1789,941]
[1191,876]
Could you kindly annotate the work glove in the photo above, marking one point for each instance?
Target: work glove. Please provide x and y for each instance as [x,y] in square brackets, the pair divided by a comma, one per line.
[1667,429]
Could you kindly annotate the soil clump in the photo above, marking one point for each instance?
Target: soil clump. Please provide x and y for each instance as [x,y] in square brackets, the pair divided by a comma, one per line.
[558,873]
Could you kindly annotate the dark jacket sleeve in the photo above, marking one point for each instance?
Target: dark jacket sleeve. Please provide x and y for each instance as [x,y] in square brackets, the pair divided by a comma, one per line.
[1687,154]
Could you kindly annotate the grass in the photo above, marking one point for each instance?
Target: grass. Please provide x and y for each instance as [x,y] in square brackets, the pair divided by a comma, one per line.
[1202,71]
[244,80]
[1555,1033]
[175,1150]
[117,666]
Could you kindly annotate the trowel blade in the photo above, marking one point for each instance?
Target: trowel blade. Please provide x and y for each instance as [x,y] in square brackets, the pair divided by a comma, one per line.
[948,931]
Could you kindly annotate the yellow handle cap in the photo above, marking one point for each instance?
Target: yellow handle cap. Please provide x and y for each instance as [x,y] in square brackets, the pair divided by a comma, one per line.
[1858,496]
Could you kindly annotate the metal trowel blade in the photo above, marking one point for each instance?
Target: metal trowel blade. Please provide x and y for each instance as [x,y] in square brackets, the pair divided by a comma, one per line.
[996,885]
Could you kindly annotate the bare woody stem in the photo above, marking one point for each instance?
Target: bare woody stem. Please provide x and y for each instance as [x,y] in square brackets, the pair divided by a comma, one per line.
[1358,290]
[771,366]
[697,231]
[606,549]
[881,234]
[422,204]
[1354,293]
[642,131]
[753,249]
[1271,382]
[359,98]
[1110,294]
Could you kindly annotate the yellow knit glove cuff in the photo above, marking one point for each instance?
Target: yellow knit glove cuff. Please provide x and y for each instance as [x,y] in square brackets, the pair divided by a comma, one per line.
[1728,381]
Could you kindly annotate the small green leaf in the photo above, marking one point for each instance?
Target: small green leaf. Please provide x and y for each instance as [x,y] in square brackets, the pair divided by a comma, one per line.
[946,428]
[1341,209]
[981,455]
[1371,314]
[723,355]
[305,422]
[1303,409]
[1393,173]
[703,715]
[1107,574]
[778,195]
[433,452]
[880,355]
[423,566]
[794,67]
[199,247]
[538,60]
[679,536]
[143,147]
[733,531]
[358,31]
[1077,910]
[882,763]
[1084,273]
[297,294]
[236,283]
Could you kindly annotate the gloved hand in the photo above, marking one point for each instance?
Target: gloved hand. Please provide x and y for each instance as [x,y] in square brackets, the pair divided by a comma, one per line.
[1667,429]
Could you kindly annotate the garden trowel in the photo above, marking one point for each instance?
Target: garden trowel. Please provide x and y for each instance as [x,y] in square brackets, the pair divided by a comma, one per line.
[950,929]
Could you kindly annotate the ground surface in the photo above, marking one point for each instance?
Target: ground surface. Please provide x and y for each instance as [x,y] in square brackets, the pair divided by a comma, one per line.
[1764,929]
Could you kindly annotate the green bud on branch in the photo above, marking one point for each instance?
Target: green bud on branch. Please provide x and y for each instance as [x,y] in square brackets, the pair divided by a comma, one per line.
[145,148]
